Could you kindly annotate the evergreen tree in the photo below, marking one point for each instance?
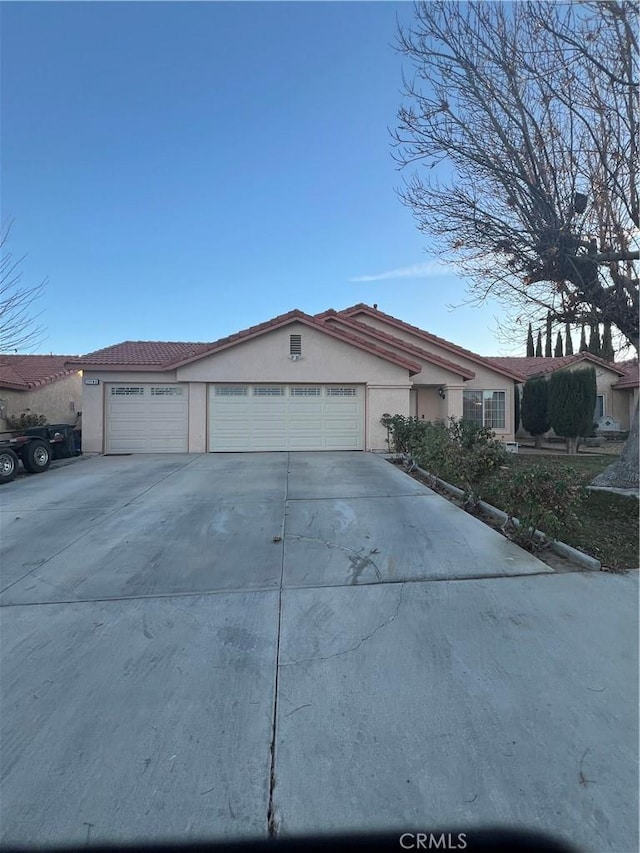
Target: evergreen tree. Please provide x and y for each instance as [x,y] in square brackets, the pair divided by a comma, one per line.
[547,345]
[571,404]
[568,343]
[539,345]
[558,350]
[583,342]
[607,344]
[534,408]
[530,349]
[594,340]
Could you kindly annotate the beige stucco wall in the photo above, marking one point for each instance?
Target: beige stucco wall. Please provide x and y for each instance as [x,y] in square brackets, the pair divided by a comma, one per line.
[266,359]
[53,401]
[93,401]
[431,374]
[431,407]
[383,399]
[197,417]
[485,378]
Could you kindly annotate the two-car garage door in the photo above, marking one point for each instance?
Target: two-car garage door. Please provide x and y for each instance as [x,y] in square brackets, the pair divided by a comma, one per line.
[285,417]
[154,418]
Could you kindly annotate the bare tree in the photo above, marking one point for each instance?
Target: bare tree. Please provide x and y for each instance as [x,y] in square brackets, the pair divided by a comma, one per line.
[19,328]
[534,108]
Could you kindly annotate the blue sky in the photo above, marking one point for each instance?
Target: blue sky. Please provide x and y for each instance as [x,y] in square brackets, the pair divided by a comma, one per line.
[180,171]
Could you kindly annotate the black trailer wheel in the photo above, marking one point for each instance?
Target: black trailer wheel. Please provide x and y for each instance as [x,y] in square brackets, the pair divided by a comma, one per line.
[8,465]
[36,456]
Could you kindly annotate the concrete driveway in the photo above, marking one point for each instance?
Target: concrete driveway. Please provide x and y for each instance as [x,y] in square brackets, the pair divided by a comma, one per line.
[198,647]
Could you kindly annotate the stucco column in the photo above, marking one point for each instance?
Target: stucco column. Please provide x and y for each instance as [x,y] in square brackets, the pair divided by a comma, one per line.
[453,400]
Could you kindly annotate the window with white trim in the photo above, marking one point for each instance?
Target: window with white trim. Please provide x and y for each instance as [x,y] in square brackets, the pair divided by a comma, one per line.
[268,391]
[299,391]
[127,391]
[231,390]
[295,344]
[341,392]
[167,391]
[484,408]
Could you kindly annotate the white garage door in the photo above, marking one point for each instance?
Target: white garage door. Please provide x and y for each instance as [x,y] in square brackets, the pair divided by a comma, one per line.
[286,417]
[147,418]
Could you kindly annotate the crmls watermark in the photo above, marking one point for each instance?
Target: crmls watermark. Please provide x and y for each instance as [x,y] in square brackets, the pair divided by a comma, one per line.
[429,841]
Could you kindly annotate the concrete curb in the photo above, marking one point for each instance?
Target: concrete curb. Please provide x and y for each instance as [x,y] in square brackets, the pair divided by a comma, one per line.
[558,547]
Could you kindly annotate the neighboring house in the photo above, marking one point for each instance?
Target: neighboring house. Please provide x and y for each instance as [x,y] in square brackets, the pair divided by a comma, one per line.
[296,382]
[39,385]
[616,384]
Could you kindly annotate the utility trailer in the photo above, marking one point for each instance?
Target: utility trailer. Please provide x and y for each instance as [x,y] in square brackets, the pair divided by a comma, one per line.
[35,447]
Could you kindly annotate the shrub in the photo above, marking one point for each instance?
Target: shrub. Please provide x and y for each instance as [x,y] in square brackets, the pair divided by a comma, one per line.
[572,400]
[461,452]
[25,420]
[405,432]
[534,408]
[548,501]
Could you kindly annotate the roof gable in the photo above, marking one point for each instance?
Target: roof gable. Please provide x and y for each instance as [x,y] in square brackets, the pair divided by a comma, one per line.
[331,315]
[163,355]
[25,372]
[368,311]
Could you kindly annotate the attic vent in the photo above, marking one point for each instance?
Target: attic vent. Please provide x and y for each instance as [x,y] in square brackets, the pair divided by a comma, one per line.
[295,345]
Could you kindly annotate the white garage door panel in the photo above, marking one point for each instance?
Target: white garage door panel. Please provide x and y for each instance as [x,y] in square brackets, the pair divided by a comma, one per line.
[286,417]
[147,418]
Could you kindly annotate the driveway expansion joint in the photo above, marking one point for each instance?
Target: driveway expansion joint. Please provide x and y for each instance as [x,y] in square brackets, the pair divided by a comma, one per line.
[273,818]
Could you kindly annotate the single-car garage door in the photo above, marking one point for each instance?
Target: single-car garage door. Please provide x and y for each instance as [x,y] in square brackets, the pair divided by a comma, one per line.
[286,417]
[145,418]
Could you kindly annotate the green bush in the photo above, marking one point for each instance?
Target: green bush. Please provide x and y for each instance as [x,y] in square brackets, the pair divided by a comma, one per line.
[534,408]
[459,452]
[572,400]
[548,501]
[405,433]
[25,420]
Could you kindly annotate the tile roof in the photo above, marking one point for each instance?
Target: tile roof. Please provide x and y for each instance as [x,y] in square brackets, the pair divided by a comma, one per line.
[398,342]
[141,353]
[24,372]
[165,355]
[631,379]
[361,307]
[541,366]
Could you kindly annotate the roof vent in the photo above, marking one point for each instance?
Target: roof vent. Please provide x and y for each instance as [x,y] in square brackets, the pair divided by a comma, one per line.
[295,347]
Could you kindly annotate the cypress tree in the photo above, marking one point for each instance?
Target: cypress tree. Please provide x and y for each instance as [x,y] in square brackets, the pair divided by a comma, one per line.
[534,408]
[568,343]
[583,342]
[594,340]
[547,345]
[558,350]
[571,404]
[539,345]
[530,349]
[607,344]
